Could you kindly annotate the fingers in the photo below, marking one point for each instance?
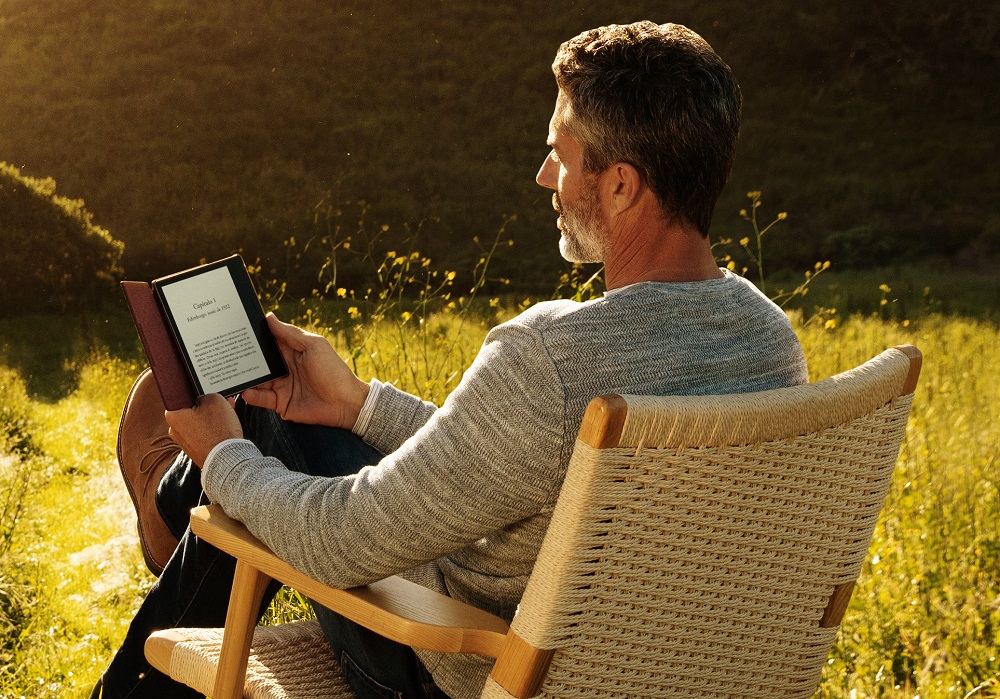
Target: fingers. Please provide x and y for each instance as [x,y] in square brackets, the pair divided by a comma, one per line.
[294,343]
[209,402]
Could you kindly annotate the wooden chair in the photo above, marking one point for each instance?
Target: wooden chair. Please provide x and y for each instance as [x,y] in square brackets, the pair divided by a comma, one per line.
[700,546]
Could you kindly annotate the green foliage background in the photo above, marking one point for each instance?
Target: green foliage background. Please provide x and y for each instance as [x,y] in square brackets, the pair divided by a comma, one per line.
[192,129]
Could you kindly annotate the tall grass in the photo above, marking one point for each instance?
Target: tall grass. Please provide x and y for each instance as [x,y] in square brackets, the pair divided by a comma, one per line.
[74,560]
[924,618]
[15,479]
[924,615]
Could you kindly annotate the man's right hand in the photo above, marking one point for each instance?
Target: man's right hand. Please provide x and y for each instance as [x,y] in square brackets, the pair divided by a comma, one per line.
[320,388]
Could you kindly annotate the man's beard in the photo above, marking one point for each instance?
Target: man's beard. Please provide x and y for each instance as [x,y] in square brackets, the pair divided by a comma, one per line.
[584,235]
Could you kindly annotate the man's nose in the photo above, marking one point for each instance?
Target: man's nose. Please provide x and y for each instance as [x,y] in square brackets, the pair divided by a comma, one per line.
[546,176]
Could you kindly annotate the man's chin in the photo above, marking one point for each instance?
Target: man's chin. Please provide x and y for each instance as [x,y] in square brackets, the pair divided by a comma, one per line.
[571,251]
[566,248]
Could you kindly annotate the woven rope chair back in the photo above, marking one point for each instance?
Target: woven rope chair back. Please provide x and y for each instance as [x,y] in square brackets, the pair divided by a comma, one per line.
[697,556]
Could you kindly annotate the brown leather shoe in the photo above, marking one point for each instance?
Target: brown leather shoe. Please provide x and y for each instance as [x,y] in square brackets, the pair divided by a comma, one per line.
[144,453]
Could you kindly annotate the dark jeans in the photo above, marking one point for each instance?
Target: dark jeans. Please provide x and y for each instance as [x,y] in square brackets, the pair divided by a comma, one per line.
[193,589]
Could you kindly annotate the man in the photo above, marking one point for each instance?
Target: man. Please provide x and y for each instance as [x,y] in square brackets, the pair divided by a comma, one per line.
[458,498]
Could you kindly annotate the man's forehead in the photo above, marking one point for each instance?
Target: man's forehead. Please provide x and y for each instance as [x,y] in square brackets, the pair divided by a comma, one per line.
[563,108]
[560,116]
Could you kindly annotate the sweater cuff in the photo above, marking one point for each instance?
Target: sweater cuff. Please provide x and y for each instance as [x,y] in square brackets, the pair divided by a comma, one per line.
[221,463]
[221,445]
[368,409]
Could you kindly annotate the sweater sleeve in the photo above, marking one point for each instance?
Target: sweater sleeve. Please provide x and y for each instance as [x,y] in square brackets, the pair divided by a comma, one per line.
[488,458]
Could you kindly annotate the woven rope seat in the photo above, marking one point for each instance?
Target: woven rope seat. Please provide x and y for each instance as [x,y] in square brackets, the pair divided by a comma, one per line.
[287,661]
[703,545]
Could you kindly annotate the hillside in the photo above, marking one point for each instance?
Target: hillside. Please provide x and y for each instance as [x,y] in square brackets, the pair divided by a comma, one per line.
[191,129]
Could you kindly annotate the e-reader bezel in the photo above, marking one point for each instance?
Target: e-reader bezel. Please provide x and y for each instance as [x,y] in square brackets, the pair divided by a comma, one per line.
[255,314]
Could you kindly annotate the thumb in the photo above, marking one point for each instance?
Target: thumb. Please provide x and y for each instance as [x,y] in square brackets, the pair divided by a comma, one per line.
[261,397]
[278,328]
[288,335]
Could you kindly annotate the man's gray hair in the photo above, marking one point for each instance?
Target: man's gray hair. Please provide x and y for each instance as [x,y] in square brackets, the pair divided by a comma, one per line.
[660,99]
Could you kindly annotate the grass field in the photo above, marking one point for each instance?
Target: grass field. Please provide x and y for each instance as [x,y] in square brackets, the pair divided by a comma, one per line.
[922,622]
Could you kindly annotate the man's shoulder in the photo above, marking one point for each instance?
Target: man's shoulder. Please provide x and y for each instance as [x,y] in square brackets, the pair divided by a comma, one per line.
[534,331]
[561,318]
[546,313]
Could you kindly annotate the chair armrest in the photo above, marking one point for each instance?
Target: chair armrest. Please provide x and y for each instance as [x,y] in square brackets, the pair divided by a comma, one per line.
[395,608]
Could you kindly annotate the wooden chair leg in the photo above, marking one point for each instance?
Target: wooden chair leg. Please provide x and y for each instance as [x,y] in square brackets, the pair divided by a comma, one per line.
[241,620]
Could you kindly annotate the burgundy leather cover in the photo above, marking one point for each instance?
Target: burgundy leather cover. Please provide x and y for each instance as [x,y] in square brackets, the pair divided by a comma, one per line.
[164,357]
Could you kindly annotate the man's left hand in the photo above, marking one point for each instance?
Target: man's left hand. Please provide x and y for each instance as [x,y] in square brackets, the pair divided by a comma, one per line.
[197,430]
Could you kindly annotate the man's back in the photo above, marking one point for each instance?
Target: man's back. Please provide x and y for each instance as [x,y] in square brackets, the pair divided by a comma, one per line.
[542,368]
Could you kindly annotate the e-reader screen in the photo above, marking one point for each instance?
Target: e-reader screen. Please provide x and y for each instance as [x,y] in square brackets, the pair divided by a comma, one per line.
[221,329]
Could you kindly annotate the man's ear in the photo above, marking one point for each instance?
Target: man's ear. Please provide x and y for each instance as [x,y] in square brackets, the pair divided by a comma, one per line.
[623,187]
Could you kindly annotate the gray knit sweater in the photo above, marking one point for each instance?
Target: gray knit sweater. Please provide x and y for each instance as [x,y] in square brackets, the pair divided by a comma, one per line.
[463,499]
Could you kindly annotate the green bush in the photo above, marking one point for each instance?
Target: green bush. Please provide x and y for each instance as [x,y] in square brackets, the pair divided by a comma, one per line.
[52,255]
